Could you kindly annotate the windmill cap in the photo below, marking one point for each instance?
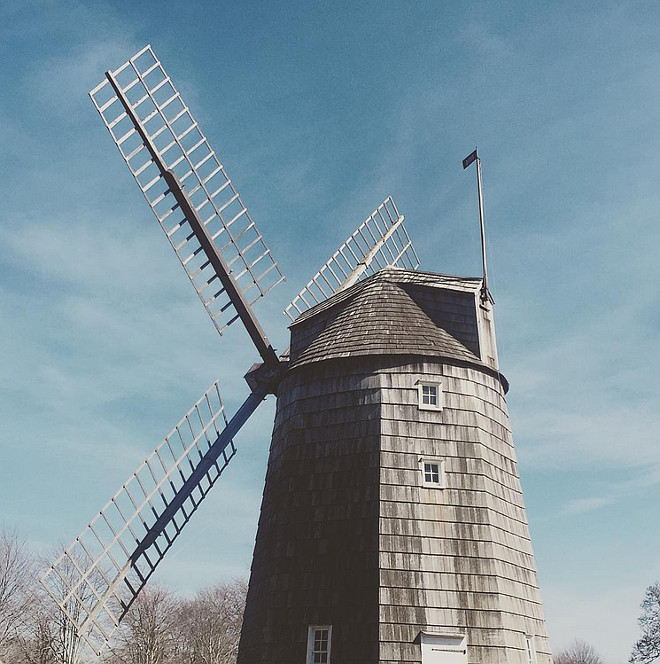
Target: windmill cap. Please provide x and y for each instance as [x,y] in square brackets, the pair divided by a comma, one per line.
[393,312]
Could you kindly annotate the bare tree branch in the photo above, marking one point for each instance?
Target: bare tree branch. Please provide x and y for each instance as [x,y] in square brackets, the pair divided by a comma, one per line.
[16,573]
[210,624]
[158,629]
[147,632]
[578,652]
[647,649]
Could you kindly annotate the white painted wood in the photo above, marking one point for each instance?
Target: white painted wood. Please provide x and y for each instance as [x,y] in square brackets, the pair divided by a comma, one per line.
[443,648]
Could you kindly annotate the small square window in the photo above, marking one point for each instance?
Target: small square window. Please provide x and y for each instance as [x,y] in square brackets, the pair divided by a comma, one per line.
[430,396]
[318,644]
[433,473]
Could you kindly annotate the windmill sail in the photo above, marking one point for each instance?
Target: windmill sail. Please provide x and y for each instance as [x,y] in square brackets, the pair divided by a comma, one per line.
[380,241]
[97,577]
[162,144]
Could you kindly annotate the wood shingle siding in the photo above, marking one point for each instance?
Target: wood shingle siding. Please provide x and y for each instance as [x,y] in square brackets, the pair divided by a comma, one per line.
[350,535]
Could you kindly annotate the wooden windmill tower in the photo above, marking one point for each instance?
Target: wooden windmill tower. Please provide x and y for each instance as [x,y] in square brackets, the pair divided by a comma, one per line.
[392,526]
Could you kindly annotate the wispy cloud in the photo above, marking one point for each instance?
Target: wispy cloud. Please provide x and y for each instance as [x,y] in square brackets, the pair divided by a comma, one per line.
[103,345]
[582,505]
[61,82]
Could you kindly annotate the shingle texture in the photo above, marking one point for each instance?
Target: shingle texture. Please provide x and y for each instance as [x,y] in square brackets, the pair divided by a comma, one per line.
[394,312]
[396,275]
[350,535]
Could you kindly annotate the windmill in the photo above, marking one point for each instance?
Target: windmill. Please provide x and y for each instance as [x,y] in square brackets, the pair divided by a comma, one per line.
[99,575]
[392,525]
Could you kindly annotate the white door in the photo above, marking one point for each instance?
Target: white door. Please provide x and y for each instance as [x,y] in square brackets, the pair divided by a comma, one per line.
[444,648]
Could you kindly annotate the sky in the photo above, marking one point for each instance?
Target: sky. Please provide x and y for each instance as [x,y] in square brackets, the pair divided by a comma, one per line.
[319,111]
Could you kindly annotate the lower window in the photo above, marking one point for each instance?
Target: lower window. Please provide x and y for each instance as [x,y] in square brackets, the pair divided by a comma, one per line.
[319,639]
[433,473]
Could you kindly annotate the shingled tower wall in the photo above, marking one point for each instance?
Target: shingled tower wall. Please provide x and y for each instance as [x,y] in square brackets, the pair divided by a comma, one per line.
[403,565]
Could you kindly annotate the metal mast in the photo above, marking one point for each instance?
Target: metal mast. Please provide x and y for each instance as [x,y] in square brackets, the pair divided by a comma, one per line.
[485,292]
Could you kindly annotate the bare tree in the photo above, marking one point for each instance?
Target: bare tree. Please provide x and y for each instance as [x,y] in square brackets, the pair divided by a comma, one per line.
[16,574]
[34,644]
[578,652]
[50,621]
[47,634]
[159,629]
[210,624]
[32,629]
[147,635]
[647,649]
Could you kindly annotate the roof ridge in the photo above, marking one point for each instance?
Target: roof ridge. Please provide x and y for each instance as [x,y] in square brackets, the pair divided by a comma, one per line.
[402,276]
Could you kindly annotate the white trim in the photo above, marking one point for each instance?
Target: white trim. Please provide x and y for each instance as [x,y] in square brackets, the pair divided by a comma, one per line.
[311,638]
[486,332]
[430,395]
[530,649]
[429,475]
[443,646]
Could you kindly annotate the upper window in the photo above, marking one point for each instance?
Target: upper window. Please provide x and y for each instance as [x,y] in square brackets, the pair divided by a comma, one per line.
[430,395]
[318,644]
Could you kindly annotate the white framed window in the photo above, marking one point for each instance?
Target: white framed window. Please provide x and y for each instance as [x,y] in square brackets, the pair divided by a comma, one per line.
[319,638]
[433,473]
[429,395]
[530,649]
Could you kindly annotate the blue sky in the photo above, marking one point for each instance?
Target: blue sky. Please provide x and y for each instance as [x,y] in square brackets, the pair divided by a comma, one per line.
[319,111]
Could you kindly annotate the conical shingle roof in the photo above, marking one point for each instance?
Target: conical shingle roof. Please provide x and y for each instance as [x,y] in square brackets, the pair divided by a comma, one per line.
[377,318]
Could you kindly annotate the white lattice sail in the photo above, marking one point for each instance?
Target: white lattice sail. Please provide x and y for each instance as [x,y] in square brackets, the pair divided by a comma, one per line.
[158,120]
[98,576]
[380,241]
